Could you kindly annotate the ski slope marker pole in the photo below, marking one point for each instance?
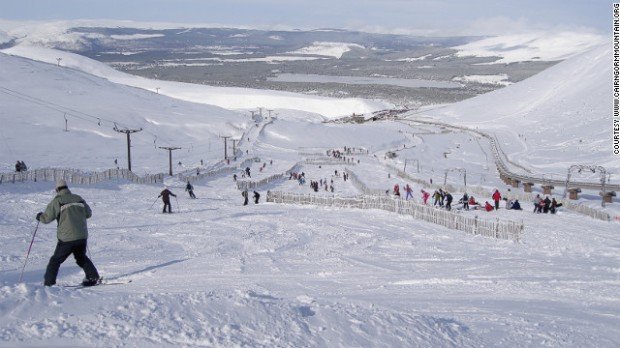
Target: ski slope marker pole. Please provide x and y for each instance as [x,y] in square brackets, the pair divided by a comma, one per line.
[28,253]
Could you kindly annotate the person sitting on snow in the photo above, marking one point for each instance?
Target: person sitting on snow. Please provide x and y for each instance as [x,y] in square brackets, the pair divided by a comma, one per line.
[488,206]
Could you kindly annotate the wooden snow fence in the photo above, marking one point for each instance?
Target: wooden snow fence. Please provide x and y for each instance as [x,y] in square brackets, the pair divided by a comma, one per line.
[586,210]
[75,176]
[191,176]
[509,230]
[327,161]
[255,184]
[360,186]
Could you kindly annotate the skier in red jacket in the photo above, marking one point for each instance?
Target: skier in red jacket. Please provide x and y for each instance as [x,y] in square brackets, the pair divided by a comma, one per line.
[497,197]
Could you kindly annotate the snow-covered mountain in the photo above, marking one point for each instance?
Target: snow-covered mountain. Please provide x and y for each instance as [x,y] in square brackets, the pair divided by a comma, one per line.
[552,120]
[226,97]
[531,46]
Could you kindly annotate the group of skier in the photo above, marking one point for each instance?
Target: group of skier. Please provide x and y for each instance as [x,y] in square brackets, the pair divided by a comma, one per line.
[341,155]
[443,199]
[166,193]
[545,205]
[245,196]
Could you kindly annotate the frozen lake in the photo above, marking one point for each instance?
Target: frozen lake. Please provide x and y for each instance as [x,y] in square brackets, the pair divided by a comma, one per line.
[361,80]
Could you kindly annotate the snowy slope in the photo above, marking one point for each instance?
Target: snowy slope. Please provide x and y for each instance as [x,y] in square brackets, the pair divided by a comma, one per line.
[35,97]
[226,97]
[545,46]
[219,274]
[552,120]
[216,273]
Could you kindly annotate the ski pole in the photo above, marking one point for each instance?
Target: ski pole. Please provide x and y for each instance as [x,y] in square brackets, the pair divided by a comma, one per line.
[153,203]
[28,253]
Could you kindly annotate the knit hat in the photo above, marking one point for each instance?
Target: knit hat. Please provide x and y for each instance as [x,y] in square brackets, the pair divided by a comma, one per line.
[61,183]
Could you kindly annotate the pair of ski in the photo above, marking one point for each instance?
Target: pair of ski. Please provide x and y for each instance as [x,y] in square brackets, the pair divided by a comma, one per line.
[100,283]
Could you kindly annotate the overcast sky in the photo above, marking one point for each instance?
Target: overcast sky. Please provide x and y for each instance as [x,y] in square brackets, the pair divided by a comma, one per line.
[430,17]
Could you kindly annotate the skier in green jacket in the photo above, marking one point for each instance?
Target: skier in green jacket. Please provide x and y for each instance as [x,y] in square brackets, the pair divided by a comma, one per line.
[70,211]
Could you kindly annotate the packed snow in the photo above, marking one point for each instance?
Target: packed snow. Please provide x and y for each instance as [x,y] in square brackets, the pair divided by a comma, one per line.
[217,273]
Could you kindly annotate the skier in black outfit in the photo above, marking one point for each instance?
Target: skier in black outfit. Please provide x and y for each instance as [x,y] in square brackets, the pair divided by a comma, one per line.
[547,205]
[554,206]
[256,197]
[165,197]
[190,189]
[245,197]
[465,201]
[449,198]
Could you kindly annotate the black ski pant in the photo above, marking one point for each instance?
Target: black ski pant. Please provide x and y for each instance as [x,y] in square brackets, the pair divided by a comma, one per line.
[167,204]
[191,194]
[63,250]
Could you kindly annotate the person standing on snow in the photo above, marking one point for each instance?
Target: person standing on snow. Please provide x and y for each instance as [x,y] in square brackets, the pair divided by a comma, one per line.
[449,199]
[496,197]
[190,189]
[244,193]
[425,196]
[256,197]
[436,198]
[465,201]
[165,197]
[409,192]
[547,205]
[70,211]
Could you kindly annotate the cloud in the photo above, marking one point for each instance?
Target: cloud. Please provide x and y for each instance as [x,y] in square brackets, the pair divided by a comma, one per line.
[500,25]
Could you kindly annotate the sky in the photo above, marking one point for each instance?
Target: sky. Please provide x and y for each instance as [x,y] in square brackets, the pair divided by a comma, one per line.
[424,17]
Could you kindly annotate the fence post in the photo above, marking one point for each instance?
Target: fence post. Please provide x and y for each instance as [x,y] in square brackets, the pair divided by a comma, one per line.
[497,228]
[476,225]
